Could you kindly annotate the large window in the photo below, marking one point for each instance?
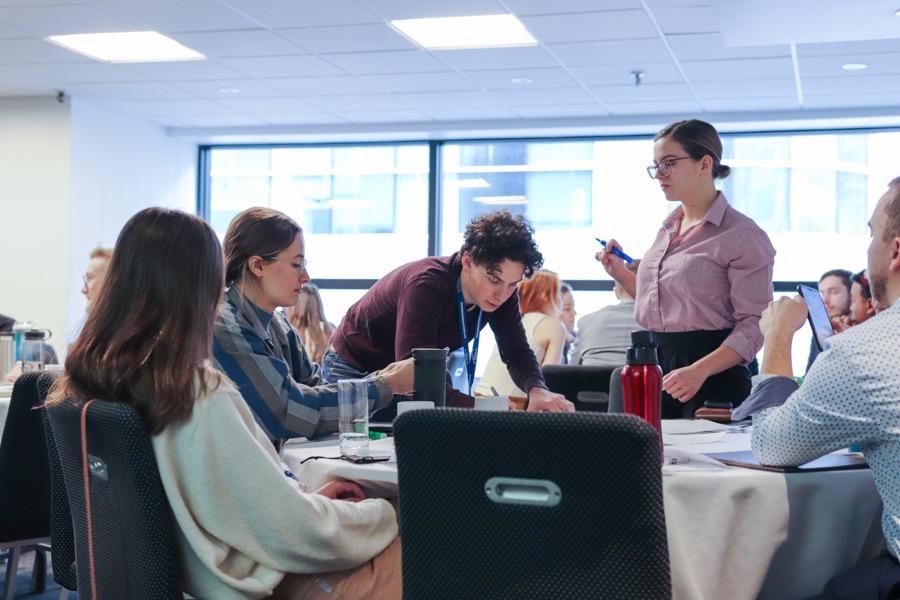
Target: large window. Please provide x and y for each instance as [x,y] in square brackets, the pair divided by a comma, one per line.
[366,208]
[363,209]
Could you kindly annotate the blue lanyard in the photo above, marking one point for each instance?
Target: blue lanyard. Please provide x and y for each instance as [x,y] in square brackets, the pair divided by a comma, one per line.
[470,361]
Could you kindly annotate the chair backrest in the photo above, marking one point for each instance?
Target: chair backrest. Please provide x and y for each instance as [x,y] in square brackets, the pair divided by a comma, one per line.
[24,468]
[585,385]
[616,396]
[133,539]
[577,511]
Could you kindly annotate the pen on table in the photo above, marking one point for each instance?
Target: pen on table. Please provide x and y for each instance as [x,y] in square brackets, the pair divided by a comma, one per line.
[493,389]
[616,251]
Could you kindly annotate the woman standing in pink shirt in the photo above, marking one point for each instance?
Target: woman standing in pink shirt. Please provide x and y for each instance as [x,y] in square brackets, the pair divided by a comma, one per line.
[706,279]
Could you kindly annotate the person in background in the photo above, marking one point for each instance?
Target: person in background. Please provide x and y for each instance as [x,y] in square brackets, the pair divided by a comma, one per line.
[443,302]
[862,308]
[308,318]
[245,528]
[539,302]
[834,286]
[93,279]
[704,282]
[849,397]
[567,316]
[605,335]
[253,343]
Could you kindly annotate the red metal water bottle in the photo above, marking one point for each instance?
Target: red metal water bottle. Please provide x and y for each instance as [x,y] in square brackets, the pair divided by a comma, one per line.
[642,380]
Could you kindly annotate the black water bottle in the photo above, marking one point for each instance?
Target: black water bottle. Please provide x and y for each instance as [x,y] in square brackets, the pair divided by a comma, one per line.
[430,375]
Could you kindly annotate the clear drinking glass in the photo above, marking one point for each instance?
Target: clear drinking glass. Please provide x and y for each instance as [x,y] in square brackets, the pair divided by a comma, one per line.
[353,421]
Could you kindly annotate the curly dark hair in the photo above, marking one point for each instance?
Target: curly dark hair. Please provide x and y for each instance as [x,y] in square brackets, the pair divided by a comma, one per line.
[492,238]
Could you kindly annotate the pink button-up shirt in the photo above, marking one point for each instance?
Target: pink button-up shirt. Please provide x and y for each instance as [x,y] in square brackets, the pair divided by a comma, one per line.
[715,275]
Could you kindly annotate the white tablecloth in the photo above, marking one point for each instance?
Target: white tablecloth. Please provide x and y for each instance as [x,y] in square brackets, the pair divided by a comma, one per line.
[734,533]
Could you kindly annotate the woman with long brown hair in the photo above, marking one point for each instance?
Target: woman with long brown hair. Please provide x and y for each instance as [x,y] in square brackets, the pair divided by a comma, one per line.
[308,318]
[246,529]
[540,302]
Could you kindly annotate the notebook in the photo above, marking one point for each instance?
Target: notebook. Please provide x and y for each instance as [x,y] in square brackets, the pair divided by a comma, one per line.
[829,462]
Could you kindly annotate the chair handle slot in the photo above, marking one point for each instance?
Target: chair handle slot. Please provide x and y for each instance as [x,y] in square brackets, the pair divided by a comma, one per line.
[531,492]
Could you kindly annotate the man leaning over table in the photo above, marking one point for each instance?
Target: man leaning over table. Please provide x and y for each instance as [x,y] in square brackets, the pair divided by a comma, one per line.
[850,396]
[445,301]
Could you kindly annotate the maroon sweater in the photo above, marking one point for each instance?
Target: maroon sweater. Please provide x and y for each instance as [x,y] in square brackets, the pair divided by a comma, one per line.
[415,306]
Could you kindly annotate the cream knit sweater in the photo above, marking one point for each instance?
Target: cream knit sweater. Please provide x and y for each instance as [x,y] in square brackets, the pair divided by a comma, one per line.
[241,523]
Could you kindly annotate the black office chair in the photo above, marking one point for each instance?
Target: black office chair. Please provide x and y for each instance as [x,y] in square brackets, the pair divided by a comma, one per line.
[587,386]
[616,397]
[530,505]
[24,484]
[133,552]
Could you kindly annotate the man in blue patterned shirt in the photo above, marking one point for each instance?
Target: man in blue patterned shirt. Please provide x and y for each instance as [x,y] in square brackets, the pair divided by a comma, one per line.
[851,396]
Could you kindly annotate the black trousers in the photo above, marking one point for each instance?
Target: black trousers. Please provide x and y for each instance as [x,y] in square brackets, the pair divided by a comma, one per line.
[682,349]
[876,579]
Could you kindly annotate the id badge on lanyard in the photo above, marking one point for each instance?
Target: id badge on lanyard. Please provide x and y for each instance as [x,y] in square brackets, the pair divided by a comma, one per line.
[472,358]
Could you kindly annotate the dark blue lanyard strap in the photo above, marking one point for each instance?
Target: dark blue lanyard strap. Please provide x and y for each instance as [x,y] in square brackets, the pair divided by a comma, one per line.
[470,360]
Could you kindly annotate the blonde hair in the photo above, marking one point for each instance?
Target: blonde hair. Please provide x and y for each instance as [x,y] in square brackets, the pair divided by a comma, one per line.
[308,318]
[101,252]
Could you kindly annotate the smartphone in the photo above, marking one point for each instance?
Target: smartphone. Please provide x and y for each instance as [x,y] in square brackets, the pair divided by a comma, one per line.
[817,314]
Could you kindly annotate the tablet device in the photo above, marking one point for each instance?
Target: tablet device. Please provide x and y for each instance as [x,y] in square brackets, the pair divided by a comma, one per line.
[817,314]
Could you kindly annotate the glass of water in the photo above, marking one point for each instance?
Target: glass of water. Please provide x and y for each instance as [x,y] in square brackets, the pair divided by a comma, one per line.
[353,422]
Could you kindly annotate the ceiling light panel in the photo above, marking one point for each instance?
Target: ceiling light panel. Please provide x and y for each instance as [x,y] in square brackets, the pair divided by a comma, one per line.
[489,31]
[126,47]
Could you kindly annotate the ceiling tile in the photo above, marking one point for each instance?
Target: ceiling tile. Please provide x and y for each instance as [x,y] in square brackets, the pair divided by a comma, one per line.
[351,38]
[304,13]
[744,69]
[219,121]
[211,89]
[263,106]
[183,71]
[760,88]
[839,101]
[707,46]
[447,100]
[750,104]
[594,26]
[166,16]
[614,52]
[404,9]
[398,61]
[321,86]
[59,20]
[301,65]
[856,47]
[419,82]
[496,58]
[686,19]
[306,118]
[471,114]
[503,79]
[680,109]
[370,102]
[141,90]
[830,66]
[646,92]
[225,44]
[675,3]
[860,85]
[33,51]
[89,72]
[542,7]
[8,31]
[566,110]
[172,107]
[384,116]
[621,75]
[543,97]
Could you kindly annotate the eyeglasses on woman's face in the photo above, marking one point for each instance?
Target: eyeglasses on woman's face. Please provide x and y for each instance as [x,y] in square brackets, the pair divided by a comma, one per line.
[663,169]
[298,266]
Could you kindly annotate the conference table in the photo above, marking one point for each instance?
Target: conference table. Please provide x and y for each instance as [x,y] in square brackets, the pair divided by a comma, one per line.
[734,533]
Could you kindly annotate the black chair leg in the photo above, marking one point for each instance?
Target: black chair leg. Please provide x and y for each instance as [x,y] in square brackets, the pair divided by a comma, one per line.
[39,572]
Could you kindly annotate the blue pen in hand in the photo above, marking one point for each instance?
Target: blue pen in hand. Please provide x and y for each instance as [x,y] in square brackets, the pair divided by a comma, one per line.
[616,251]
